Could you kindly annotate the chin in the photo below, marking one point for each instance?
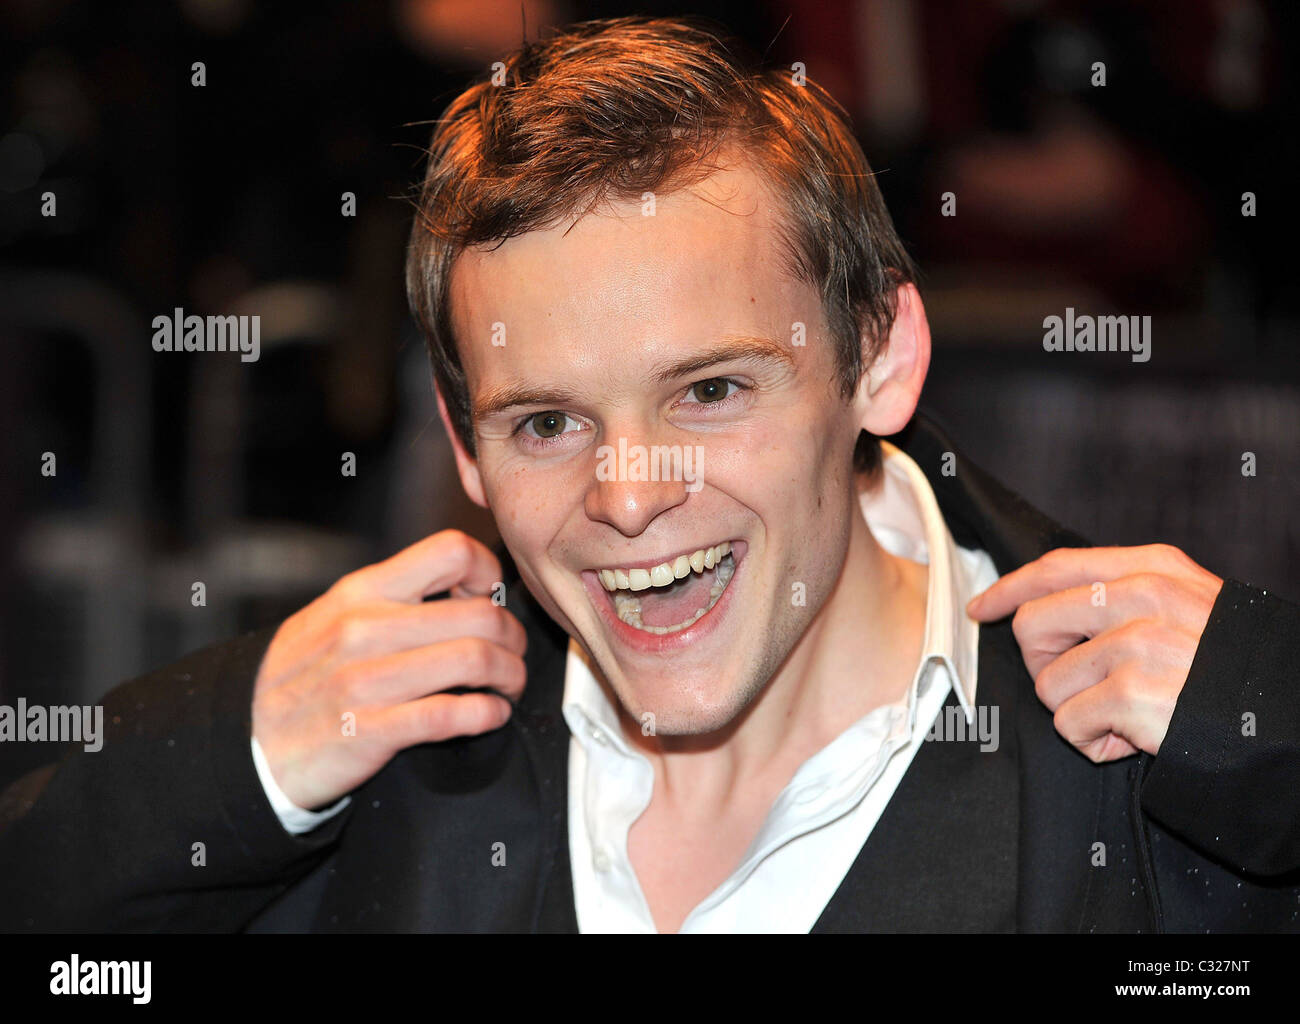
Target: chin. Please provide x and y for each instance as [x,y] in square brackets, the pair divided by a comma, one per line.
[684,707]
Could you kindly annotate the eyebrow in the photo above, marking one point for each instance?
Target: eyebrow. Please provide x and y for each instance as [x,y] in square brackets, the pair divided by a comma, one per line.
[746,349]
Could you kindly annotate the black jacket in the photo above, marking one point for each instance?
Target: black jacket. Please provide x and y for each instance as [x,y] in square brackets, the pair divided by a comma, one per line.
[1204,837]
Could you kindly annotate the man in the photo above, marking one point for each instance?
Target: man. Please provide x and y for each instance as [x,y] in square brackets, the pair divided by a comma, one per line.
[730,686]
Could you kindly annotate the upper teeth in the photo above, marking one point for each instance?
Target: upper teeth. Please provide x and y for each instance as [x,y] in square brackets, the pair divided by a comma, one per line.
[665,572]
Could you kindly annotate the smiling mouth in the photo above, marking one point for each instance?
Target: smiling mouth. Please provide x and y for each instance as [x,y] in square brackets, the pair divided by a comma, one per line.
[673,595]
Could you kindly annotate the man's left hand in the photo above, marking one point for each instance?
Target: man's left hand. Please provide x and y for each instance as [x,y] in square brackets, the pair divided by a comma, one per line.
[1139,613]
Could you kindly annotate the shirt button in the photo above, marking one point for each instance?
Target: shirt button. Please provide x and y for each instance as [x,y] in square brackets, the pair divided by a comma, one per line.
[601,860]
[598,736]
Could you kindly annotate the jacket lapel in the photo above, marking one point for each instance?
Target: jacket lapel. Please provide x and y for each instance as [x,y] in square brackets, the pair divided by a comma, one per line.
[942,857]
[545,735]
[945,855]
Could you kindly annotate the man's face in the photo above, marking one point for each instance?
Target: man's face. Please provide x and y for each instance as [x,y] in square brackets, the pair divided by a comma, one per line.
[588,331]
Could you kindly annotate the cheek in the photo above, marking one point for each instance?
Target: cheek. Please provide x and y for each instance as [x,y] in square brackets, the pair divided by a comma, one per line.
[804,489]
[515,497]
[530,504]
[794,460]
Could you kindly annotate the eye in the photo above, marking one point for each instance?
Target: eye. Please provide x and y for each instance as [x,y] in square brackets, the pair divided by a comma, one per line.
[712,391]
[542,432]
[545,424]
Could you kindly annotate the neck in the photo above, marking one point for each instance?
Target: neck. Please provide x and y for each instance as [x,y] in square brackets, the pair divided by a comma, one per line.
[859,652]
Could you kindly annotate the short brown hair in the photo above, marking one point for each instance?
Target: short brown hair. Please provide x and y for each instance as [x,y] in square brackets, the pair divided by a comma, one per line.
[607,110]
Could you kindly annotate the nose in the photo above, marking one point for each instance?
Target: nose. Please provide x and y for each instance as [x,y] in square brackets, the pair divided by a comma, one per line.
[623,492]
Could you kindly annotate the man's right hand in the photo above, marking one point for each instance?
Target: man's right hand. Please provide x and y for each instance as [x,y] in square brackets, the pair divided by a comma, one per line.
[371,647]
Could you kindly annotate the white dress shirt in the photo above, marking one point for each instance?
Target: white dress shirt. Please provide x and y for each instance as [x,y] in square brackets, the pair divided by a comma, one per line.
[295,819]
[824,815]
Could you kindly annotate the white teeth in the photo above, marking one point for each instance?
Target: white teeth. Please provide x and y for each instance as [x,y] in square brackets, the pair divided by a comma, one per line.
[629,607]
[665,572]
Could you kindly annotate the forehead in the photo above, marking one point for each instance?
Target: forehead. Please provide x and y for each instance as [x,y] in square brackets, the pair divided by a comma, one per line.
[642,280]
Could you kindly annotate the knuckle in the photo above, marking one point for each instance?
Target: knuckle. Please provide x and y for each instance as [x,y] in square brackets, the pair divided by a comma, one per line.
[1058,560]
[1043,684]
[436,717]
[457,548]
[1126,686]
[1168,553]
[1179,561]
[1021,623]
[352,588]
[1055,556]
[474,656]
[1152,588]
[354,632]
[350,682]
[1136,635]
[516,672]
[509,633]
[462,715]
[480,715]
[1063,723]
[482,616]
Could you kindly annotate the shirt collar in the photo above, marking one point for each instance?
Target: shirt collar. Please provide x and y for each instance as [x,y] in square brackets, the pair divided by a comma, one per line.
[905,519]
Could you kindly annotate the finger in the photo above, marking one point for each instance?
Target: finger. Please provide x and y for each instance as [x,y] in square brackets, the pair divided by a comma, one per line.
[442,717]
[1158,650]
[1046,627]
[436,563]
[1093,720]
[1063,568]
[1074,670]
[408,675]
[391,626]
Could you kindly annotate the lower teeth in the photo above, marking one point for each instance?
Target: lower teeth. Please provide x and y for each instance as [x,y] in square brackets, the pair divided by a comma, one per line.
[629,607]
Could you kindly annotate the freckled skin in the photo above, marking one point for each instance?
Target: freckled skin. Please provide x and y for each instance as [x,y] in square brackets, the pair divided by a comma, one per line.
[596,307]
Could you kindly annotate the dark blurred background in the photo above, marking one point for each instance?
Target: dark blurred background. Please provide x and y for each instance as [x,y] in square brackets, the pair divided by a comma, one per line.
[174,468]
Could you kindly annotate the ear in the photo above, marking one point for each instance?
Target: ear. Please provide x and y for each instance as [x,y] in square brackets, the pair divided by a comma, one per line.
[466,465]
[890,388]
